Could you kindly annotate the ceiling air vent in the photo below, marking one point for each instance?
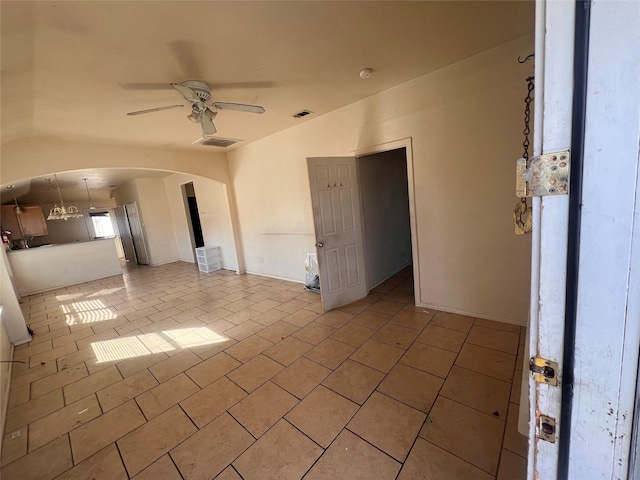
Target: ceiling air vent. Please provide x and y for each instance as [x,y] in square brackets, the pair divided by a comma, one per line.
[216,142]
[302,113]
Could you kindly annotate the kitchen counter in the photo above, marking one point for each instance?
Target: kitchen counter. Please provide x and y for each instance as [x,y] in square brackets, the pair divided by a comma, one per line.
[54,266]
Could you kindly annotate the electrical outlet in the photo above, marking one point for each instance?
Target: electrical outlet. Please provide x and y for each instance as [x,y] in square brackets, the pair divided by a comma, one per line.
[64,269]
[260,260]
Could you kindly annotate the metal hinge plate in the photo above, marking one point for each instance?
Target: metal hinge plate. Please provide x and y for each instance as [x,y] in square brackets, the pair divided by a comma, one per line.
[544,371]
[543,175]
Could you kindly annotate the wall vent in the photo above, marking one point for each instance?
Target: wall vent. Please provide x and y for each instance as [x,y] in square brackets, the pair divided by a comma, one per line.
[302,113]
[216,142]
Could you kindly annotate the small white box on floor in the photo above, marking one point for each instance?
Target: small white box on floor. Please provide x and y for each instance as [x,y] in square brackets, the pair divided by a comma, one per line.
[209,259]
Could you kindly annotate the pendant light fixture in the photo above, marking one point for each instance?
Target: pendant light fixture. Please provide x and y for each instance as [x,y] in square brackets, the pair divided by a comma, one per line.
[17,208]
[60,212]
[91,205]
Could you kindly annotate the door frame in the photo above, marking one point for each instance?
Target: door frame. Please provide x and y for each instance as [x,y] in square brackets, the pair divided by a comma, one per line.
[407,145]
[187,212]
[585,296]
[550,219]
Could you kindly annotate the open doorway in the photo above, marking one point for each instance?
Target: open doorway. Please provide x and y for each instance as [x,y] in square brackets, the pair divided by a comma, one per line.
[386,221]
[193,217]
[338,213]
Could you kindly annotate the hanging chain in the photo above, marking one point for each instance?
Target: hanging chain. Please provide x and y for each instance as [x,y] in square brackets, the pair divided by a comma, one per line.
[527,128]
[522,213]
[527,117]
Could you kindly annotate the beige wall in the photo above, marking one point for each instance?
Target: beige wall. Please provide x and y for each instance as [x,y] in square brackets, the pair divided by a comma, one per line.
[6,354]
[215,219]
[465,122]
[12,329]
[386,222]
[12,318]
[41,157]
[155,216]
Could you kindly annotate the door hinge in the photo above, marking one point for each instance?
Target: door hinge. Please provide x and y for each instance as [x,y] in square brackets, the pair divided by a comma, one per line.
[547,428]
[544,371]
[543,175]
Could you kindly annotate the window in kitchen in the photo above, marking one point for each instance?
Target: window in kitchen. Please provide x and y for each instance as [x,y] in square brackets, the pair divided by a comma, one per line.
[102,224]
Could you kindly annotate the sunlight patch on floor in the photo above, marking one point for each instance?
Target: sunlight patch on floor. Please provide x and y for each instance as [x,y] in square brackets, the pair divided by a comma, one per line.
[150,343]
[88,311]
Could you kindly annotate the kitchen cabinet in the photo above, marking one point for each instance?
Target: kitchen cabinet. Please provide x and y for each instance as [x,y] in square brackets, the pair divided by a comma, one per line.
[30,223]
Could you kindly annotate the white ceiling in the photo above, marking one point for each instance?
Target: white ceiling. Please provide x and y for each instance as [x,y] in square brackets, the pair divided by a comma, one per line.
[72,70]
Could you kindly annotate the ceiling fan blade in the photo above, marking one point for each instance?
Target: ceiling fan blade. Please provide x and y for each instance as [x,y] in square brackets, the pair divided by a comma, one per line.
[157,109]
[210,113]
[186,92]
[241,107]
[208,128]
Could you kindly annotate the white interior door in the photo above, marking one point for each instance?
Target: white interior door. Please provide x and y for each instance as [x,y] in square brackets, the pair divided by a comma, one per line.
[137,233]
[124,233]
[336,215]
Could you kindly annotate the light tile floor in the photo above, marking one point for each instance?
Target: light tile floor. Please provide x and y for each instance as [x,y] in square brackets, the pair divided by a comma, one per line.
[169,373]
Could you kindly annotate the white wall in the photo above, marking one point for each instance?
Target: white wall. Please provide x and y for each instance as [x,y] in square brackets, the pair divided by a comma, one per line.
[12,318]
[12,330]
[47,268]
[384,195]
[465,122]
[6,355]
[215,219]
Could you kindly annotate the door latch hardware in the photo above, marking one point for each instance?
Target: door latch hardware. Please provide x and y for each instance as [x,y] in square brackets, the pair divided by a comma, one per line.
[544,371]
[543,175]
[547,429]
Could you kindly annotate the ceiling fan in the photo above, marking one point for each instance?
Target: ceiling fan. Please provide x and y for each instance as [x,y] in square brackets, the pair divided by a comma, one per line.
[198,94]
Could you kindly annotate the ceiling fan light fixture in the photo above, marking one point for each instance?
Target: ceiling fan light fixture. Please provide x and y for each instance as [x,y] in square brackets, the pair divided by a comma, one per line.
[198,93]
[194,117]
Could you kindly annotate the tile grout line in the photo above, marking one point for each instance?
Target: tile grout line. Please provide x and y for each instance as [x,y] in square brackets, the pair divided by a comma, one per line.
[314,321]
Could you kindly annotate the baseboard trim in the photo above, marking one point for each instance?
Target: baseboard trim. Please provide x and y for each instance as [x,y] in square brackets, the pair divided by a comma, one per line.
[273,276]
[483,316]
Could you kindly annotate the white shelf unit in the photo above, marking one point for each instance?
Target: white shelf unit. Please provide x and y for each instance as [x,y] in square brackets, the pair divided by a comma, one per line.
[209,259]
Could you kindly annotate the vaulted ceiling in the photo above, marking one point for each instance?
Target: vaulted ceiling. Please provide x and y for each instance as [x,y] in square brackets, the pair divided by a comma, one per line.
[72,69]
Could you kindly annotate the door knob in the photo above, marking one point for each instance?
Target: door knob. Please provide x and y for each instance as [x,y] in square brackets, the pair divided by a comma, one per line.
[319,244]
